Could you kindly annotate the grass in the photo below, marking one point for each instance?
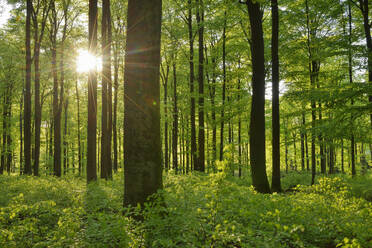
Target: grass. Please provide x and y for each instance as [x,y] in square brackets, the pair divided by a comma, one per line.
[199,211]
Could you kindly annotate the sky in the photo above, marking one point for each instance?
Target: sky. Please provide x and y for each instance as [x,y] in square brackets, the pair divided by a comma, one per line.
[4,12]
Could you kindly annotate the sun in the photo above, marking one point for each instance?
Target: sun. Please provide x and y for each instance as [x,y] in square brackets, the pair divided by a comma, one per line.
[86,62]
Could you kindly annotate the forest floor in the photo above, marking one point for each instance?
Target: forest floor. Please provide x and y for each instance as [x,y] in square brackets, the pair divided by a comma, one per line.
[199,211]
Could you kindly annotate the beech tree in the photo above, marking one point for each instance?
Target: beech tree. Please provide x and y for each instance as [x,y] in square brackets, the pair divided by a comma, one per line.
[92,96]
[142,145]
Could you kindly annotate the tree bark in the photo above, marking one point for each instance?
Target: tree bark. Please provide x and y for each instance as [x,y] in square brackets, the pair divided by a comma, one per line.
[175,121]
[192,93]
[105,79]
[275,184]
[142,144]
[257,122]
[92,97]
[200,165]
[78,127]
[223,85]
[27,98]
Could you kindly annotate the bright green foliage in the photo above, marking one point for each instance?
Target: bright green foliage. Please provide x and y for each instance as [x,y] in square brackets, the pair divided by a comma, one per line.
[199,211]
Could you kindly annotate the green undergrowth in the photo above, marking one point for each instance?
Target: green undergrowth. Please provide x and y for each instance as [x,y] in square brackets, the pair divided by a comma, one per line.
[195,211]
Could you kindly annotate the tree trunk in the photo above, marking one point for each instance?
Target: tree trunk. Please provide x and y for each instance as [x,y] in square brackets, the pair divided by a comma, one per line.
[352,143]
[21,134]
[275,185]
[38,37]
[27,105]
[78,126]
[65,143]
[175,122]
[303,143]
[223,84]
[9,149]
[114,121]
[192,93]
[109,85]
[200,164]
[142,144]
[165,85]
[105,79]
[313,104]
[257,122]
[92,96]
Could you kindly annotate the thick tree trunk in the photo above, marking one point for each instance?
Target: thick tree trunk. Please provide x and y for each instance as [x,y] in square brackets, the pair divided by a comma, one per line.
[200,164]
[92,97]
[142,142]
[275,185]
[257,122]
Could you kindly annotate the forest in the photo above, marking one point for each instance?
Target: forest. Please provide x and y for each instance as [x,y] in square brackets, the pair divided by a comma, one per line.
[185,123]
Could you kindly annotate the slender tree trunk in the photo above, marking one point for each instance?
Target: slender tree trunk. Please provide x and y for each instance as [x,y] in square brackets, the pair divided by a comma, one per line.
[307,153]
[352,141]
[37,102]
[109,85]
[92,96]
[257,122]
[223,84]
[275,185]
[78,126]
[303,143]
[3,149]
[313,104]
[294,152]
[21,134]
[165,85]
[175,121]
[27,98]
[239,132]
[8,135]
[342,156]
[200,164]
[65,143]
[114,123]
[56,109]
[142,142]
[192,93]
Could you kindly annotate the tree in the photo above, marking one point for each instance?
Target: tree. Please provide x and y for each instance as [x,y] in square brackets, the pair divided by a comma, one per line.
[142,145]
[257,124]
[92,96]
[200,163]
[27,97]
[45,7]
[275,186]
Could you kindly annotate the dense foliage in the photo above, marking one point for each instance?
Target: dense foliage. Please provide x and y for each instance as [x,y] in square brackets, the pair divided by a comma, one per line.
[199,211]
